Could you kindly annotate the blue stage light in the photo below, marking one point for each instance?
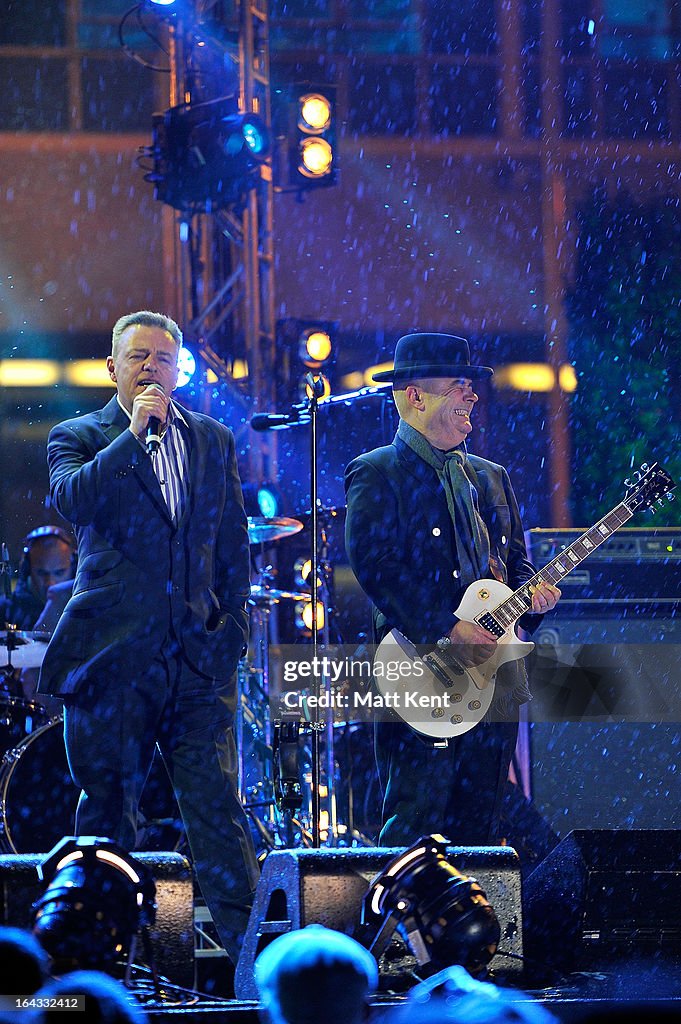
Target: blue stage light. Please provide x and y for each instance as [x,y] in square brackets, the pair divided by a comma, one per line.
[186,361]
[268,501]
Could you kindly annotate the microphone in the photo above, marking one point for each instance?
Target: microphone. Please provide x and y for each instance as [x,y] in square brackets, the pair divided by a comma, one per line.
[153,438]
[272,420]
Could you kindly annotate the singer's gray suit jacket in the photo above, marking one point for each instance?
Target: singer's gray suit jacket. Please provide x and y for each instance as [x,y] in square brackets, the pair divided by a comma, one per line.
[138,574]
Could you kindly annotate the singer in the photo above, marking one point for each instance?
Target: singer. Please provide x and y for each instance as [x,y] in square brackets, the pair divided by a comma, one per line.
[147,648]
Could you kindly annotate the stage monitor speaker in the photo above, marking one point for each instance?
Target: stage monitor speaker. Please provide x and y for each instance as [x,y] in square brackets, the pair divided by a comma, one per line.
[614,716]
[301,887]
[604,895]
[173,934]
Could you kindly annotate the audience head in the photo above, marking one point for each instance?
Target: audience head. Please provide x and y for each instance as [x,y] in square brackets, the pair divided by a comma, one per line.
[106,1000]
[315,974]
[453,997]
[23,963]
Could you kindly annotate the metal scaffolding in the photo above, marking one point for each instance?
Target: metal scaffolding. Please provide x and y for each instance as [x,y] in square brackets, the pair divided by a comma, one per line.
[222,265]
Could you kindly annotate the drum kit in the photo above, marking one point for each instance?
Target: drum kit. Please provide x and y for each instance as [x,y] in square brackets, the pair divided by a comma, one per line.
[38,798]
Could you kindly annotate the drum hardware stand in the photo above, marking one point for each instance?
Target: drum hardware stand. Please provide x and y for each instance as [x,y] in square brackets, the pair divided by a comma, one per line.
[6,571]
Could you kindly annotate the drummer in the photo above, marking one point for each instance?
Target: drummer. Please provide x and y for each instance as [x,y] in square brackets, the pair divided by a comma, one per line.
[49,558]
[43,587]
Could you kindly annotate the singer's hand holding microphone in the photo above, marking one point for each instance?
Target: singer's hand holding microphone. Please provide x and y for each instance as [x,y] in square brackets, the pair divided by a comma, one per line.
[149,411]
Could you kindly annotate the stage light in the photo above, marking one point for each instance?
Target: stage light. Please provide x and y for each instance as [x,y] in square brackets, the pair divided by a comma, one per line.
[525,377]
[269,501]
[315,112]
[207,156]
[87,373]
[28,373]
[166,10]
[316,158]
[303,570]
[306,130]
[255,136]
[96,900]
[186,361]
[304,615]
[377,368]
[442,915]
[316,143]
[315,346]
[567,378]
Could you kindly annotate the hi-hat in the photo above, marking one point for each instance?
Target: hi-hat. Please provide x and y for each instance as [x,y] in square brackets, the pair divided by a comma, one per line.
[261,529]
[23,649]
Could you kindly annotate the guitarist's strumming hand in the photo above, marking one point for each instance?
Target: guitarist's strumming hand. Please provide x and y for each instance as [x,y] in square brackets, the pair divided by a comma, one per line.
[477,645]
[544,598]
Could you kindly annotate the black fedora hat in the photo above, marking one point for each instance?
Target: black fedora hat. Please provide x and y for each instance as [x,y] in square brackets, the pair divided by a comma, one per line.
[432,355]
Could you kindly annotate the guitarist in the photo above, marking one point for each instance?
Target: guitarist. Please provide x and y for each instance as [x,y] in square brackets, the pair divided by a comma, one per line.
[424,520]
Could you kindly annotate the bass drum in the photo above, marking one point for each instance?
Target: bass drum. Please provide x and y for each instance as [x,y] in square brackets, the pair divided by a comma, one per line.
[38,798]
[18,719]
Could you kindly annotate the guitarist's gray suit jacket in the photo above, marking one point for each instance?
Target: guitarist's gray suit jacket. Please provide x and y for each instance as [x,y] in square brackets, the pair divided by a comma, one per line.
[400,541]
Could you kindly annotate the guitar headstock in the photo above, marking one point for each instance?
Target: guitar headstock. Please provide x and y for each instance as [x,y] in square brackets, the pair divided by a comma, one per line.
[648,485]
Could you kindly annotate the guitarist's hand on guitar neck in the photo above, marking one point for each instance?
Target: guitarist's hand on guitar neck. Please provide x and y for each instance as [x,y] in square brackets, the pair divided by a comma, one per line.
[475,643]
[544,598]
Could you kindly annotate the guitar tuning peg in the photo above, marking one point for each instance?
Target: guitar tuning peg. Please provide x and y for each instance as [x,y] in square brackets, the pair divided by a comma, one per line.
[644,467]
[660,502]
[627,482]
[670,496]
[652,510]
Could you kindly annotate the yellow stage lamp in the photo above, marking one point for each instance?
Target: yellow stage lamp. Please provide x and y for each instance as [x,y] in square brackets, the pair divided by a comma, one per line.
[316,158]
[315,112]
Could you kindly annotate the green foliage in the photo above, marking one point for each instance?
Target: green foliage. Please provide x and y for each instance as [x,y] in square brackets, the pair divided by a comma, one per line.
[625,344]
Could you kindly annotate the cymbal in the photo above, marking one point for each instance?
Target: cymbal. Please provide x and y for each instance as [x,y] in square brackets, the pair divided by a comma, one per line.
[261,528]
[28,648]
[269,594]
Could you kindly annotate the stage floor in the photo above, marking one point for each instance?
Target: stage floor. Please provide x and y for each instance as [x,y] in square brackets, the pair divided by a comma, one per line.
[642,983]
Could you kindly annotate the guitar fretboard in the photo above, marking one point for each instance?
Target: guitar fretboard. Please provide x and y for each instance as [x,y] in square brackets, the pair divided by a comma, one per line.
[505,614]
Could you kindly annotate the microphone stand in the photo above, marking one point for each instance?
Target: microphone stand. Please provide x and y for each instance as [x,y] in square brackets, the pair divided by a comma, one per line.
[300,415]
[6,571]
[316,390]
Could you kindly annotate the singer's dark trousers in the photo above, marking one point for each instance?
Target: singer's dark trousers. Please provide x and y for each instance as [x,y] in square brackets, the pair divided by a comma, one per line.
[110,733]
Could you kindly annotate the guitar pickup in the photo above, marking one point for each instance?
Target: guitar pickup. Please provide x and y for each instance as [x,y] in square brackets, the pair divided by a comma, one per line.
[443,667]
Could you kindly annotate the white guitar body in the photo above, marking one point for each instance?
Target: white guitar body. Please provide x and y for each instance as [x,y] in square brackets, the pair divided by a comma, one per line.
[440,710]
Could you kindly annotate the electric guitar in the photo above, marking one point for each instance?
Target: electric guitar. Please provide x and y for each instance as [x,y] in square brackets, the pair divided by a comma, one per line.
[439,696]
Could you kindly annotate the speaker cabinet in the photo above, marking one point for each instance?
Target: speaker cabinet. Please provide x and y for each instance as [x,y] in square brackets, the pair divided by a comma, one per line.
[301,887]
[603,895]
[608,707]
[172,935]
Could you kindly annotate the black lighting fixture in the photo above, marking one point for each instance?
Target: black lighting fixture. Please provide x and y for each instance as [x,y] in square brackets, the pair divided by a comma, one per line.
[307,137]
[442,916]
[97,898]
[206,156]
